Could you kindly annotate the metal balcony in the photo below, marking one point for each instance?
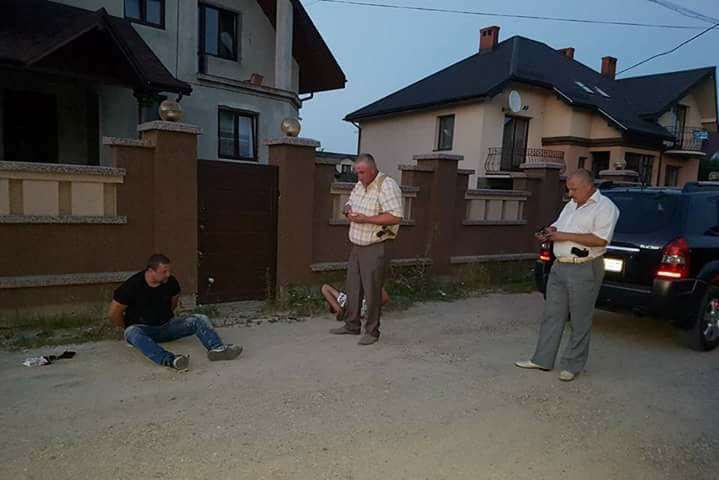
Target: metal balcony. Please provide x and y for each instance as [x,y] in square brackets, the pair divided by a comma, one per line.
[499,161]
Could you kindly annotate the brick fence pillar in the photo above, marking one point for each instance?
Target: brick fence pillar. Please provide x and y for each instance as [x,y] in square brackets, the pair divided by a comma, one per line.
[174,198]
[442,204]
[295,158]
[543,180]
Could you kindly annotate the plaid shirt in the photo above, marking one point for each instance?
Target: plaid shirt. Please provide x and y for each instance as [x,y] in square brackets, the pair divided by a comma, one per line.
[371,201]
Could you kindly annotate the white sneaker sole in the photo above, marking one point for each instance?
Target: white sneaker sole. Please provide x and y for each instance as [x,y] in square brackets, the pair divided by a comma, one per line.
[229,353]
[531,366]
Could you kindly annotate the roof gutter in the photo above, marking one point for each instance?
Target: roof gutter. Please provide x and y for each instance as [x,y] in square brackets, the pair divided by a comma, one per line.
[559,92]
[612,119]
[359,136]
[306,99]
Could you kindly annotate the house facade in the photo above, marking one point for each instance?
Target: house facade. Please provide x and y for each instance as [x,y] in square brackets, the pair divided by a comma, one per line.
[521,101]
[75,71]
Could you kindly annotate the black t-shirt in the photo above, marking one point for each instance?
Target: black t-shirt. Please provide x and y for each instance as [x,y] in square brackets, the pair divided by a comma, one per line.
[146,305]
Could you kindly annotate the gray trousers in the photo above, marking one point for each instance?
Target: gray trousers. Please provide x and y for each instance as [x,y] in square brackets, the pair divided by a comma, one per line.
[572,291]
[365,278]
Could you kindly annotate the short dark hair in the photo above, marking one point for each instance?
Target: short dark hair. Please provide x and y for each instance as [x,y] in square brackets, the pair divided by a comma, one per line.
[156,260]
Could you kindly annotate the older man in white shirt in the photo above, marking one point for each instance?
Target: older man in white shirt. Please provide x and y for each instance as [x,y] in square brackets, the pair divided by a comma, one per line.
[375,211]
[580,235]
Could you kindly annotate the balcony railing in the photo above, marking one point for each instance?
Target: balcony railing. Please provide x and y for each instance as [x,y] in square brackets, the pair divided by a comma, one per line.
[499,161]
[687,139]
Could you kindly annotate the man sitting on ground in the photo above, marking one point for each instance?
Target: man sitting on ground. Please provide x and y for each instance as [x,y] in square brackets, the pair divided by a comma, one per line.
[144,308]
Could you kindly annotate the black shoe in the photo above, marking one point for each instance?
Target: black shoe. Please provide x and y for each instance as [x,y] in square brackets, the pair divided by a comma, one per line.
[344,331]
[181,362]
[368,340]
[225,352]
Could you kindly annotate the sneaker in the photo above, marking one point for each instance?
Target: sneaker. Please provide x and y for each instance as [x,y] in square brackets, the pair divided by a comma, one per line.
[530,365]
[181,362]
[344,331]
[567,376]
[367,340]
[225,352]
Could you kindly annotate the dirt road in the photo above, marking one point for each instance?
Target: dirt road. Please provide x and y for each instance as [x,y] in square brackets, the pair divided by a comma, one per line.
[437,398]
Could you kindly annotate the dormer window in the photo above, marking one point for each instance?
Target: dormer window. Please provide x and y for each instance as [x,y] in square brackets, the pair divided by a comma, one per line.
[601,92]
[583,86]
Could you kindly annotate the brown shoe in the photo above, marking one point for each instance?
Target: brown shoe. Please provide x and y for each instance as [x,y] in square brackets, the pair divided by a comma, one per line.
[344,331]
[367,340]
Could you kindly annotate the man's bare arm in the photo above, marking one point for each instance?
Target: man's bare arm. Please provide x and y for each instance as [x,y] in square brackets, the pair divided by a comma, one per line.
[385,219]
[381,219]
[117,314]
[586,239]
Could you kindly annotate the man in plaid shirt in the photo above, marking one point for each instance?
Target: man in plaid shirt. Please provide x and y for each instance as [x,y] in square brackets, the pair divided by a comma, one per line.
[375,212]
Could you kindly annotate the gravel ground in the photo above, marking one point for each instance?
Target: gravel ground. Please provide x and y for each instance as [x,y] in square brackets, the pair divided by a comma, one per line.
[437,398]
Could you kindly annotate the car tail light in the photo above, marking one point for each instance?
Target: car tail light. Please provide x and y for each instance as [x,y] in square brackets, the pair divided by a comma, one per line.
[675,260]
[545,253]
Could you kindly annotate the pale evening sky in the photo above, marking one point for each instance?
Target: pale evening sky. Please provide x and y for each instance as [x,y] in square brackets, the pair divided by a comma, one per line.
[382,50]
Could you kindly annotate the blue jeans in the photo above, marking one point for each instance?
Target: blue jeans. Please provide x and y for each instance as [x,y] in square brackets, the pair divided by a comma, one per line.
[146,337]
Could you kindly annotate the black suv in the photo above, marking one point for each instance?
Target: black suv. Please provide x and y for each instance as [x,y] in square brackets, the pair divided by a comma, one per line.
[663,259]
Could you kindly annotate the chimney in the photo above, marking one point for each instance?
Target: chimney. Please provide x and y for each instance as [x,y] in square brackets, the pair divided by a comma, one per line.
[569,52]
[488,38]
[609,67]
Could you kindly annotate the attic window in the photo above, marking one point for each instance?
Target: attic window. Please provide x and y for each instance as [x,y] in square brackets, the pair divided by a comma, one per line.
[602,92]
[584,87]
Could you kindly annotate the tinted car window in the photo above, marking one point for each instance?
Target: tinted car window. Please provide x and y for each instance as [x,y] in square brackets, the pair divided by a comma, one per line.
[703,216]
[646,212]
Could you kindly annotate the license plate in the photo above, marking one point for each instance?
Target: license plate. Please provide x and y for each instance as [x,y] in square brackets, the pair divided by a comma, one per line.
[613,265]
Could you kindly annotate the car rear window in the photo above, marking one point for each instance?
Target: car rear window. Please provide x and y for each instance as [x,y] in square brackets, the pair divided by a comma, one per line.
[646,212]
[704,215]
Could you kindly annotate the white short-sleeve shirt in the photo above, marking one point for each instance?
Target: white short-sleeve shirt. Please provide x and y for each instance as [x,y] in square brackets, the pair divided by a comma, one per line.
[597,216]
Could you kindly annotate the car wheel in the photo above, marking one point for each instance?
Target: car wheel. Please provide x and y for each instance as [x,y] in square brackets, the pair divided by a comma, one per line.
[704,335]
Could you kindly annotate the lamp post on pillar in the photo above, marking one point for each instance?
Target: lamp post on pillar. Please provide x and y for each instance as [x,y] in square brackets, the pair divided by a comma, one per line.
[283,45]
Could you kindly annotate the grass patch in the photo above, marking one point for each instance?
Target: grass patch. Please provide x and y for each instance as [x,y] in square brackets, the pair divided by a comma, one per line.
[211,311]
[47,321]
[23,331]
[526,286]
[299,301]
[32,330]
[405,285]
[409,285]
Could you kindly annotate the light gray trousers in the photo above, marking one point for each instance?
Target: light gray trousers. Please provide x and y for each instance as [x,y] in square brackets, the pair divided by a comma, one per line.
[572,291]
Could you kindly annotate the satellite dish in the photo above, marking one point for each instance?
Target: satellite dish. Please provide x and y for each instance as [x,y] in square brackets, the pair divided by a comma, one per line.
[514,101]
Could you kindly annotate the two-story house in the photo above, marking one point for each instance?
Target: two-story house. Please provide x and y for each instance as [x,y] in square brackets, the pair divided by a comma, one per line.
[75,71]
[521,101]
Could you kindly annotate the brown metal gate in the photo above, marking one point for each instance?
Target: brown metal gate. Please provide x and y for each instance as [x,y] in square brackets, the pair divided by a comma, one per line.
[237,258]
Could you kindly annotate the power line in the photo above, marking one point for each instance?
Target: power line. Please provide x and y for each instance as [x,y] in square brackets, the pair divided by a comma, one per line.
[687,12]
[507,15]
[672,50]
